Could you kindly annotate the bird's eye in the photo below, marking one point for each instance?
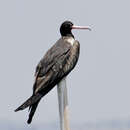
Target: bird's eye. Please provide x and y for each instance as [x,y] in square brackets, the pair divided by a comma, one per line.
[67,26]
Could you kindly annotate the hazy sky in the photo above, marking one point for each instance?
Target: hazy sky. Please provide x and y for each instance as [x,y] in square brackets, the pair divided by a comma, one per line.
[99,86]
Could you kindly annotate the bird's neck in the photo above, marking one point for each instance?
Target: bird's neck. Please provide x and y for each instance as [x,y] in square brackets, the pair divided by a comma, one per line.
[66,34]
[69,35]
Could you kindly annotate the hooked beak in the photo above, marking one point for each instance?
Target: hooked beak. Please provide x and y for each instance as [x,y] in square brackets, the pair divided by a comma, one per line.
[81,27]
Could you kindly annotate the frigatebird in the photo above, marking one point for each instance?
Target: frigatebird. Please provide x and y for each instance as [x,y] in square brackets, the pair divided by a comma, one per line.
[57,63]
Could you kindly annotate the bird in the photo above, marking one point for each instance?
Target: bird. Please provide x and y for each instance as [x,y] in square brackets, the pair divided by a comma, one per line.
[56,64]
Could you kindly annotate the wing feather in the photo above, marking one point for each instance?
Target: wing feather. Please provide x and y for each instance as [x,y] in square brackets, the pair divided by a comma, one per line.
[50,65]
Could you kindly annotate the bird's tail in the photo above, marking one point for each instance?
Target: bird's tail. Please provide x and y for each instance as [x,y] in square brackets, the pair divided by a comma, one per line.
[33,99]
[32,109]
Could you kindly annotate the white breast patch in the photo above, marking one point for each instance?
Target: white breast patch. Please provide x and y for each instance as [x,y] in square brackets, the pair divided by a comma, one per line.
[71,41]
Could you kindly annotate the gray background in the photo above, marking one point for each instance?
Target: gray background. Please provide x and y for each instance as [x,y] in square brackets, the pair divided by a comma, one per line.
[99,86]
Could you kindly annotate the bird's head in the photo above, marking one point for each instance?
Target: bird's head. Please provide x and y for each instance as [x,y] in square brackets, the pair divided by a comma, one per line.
[67,26]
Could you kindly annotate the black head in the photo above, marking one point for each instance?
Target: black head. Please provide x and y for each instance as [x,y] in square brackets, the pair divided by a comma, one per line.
[66,28]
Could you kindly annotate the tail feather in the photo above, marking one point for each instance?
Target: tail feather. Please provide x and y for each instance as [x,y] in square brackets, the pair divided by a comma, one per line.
[33,99]
[32,109]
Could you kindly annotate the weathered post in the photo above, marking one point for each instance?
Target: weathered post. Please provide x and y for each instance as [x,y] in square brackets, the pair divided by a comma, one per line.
[63,104]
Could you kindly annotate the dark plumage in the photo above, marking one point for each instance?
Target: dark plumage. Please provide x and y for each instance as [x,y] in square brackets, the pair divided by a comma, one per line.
[58,62]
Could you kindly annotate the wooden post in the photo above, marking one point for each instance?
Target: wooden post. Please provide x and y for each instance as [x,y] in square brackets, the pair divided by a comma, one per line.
[63,104]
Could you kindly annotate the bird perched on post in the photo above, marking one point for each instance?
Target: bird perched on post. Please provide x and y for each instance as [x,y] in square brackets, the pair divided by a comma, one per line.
[57,63]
